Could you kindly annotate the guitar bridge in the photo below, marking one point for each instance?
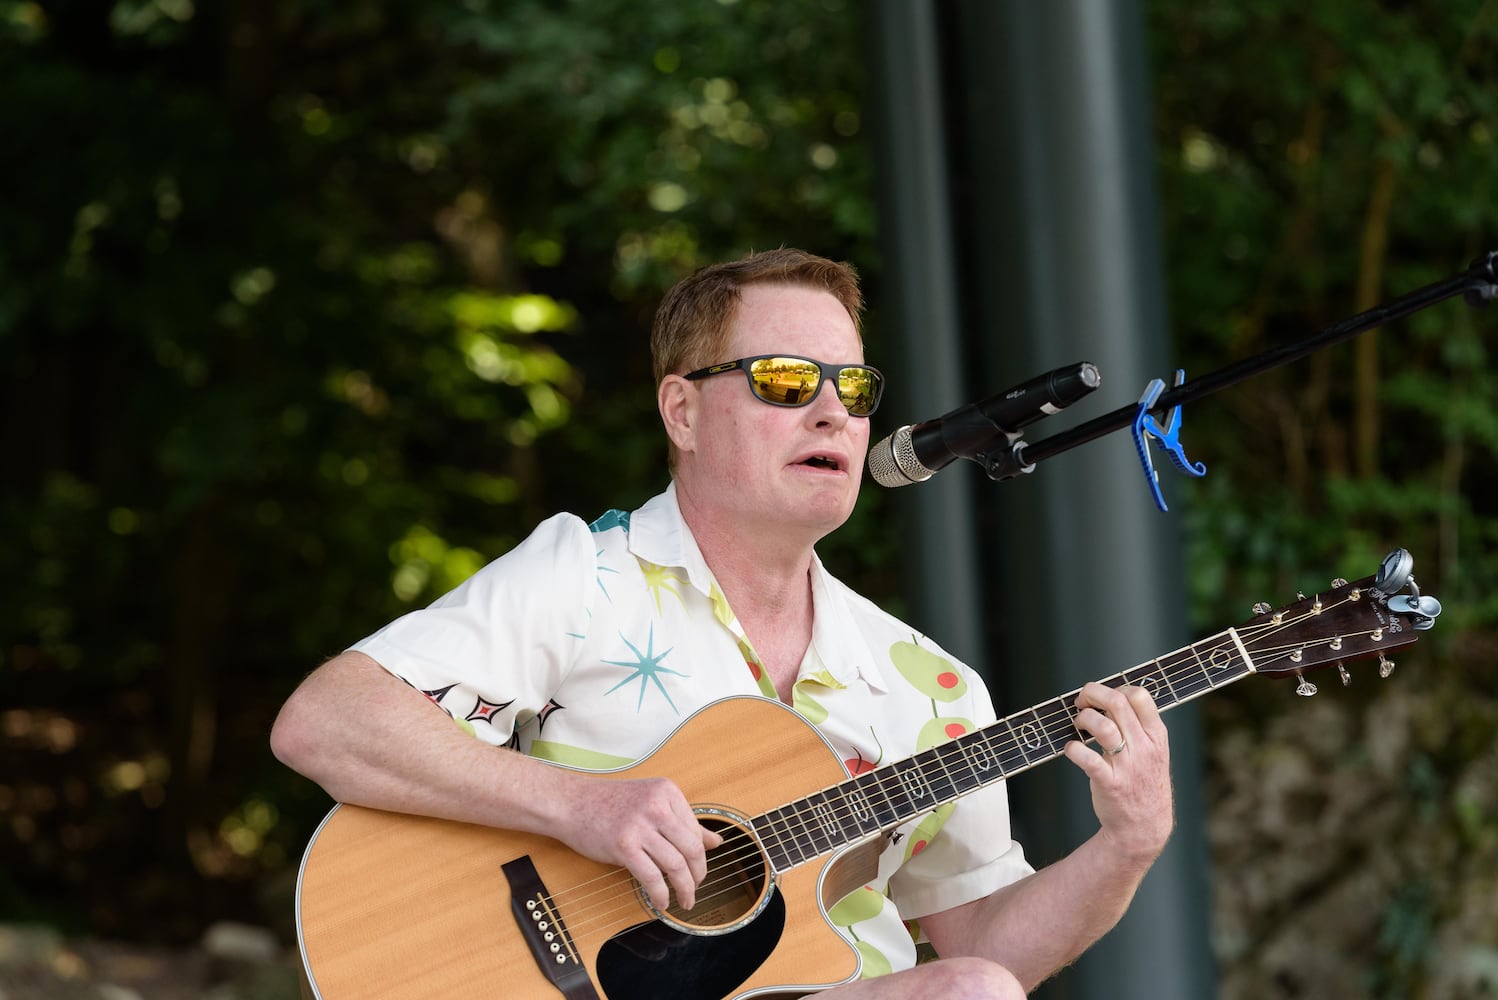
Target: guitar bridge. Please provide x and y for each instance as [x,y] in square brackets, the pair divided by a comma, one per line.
[545,933]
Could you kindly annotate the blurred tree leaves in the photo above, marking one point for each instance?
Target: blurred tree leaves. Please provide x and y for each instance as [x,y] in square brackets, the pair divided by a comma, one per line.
[306,311]
[1318,160]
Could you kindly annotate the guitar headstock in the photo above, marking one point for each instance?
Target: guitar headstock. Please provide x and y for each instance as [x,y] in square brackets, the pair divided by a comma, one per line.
[1373,616]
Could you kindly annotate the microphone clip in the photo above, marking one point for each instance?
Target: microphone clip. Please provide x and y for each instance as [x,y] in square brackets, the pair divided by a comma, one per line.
[1007,462]
[1146,427]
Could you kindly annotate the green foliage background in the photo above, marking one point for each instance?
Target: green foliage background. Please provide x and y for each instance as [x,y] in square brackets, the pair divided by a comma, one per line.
[308,309]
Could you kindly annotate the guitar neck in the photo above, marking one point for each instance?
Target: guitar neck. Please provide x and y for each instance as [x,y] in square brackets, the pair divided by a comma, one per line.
[888,796]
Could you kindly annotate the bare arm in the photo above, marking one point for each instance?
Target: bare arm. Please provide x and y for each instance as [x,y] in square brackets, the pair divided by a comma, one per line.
[369,739]
[1042,923]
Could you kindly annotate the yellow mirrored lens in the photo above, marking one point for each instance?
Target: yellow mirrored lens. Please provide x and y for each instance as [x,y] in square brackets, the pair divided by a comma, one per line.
[859,389]
[787,381]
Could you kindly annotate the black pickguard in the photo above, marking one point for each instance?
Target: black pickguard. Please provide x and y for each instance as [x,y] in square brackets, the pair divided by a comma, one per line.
[654,961]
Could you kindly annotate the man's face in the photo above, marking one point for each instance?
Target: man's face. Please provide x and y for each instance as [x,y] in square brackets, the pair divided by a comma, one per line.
[776,467]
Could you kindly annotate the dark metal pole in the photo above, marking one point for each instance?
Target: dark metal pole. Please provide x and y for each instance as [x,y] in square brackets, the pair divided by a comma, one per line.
[919,307]
[1085,576]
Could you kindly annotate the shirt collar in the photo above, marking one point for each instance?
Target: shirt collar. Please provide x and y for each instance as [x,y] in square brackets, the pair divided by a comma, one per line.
[658,534]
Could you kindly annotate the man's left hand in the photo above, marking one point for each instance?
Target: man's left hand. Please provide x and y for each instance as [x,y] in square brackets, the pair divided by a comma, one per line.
[1130,770]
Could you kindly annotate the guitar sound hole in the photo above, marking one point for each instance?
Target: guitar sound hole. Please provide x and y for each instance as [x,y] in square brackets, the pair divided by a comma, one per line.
[736,886]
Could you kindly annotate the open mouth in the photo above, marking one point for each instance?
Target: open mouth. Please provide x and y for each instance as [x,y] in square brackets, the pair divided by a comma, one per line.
[822,462]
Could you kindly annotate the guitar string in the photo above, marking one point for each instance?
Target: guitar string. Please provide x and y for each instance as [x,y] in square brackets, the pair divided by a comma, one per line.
[1187,664]
[1174,672]
[1167,667]
[581,916]
[753,852]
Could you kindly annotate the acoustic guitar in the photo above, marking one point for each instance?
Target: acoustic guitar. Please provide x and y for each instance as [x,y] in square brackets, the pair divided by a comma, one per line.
[398,906]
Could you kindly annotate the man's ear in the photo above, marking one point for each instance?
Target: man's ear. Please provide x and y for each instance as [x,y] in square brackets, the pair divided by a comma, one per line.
[677,399]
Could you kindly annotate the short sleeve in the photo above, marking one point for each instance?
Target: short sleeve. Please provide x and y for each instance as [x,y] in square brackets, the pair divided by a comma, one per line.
[497,646]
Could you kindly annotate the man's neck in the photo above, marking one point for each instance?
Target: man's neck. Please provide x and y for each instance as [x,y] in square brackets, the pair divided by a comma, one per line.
[774,606]
[765,573]
[760,571]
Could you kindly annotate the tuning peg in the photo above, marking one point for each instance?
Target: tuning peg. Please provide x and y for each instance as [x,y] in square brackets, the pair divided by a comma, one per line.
[1346,677]
[1305,688]
[1385,665]
[1261,608]
[1338,582]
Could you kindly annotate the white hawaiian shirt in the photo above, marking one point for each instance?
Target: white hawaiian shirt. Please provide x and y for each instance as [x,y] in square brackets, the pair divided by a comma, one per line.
[587,645]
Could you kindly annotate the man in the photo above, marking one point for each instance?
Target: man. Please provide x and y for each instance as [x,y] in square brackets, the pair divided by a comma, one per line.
[588,644]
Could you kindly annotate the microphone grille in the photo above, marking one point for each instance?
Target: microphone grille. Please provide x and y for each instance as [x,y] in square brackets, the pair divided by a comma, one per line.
[892,462]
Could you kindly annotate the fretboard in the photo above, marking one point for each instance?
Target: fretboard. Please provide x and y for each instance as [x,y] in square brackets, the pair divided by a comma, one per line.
[896,793]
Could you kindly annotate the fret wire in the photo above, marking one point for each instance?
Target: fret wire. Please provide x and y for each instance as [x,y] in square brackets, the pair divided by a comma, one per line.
[778,832]
[906,773]
[1017,740]
[970,748]
[800,825]
[1182,689]
[877,792]
[1175,698]
[817,836]
[1044,728]
[870,822]
[1204,668]
[817,832]
[841,813]
[943,789]
[1189,679]
[792,817]
[1143,676]
[1060,726]
[1220,649]
[795,822]
[966,778]
[884,811]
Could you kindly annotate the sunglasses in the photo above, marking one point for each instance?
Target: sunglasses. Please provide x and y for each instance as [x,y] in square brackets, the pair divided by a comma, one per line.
[786,380]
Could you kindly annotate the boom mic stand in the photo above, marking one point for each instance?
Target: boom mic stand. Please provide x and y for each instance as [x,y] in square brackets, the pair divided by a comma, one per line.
[1478,285]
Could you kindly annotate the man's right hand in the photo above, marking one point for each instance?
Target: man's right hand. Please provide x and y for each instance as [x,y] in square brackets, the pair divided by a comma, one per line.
[645,825]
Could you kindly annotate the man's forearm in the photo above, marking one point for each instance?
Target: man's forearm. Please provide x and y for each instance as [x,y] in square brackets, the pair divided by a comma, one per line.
[367,738]
[1040,924]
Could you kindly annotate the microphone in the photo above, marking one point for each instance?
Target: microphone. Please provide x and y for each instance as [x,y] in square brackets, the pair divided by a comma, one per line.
[914,454]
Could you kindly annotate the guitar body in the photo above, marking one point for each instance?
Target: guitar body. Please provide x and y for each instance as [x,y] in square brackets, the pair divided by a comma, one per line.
[399,906]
